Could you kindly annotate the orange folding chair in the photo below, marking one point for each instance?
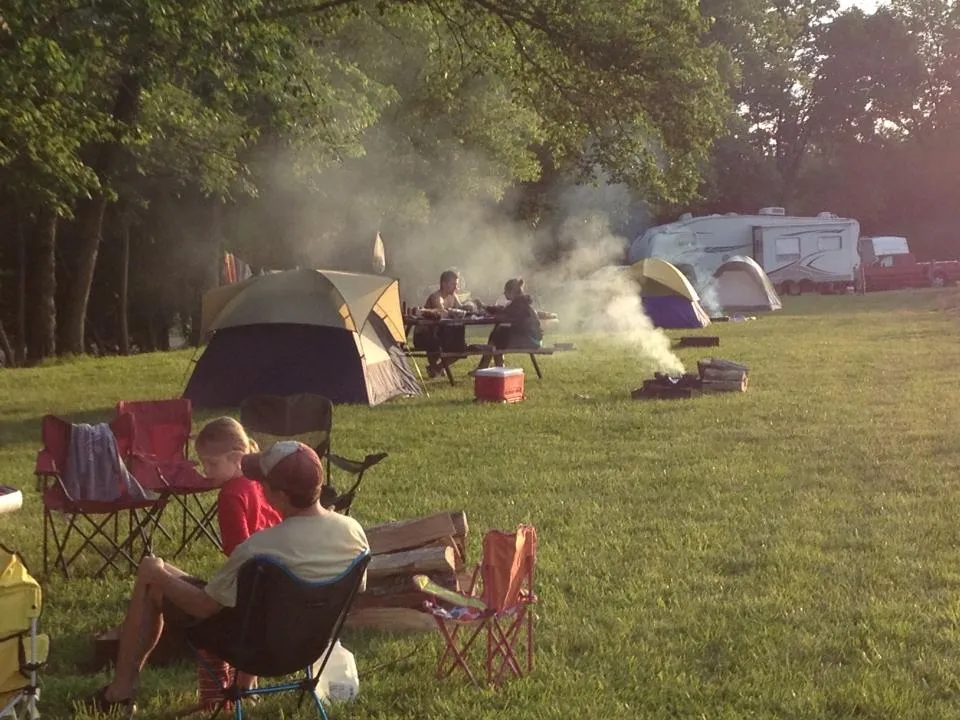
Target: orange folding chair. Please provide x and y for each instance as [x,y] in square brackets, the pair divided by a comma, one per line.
[496,606]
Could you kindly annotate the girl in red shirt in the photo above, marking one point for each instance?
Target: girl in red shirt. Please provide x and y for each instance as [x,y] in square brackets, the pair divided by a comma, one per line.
[242,508]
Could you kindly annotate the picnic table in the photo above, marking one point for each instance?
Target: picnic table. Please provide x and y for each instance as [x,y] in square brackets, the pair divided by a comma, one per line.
[447,357]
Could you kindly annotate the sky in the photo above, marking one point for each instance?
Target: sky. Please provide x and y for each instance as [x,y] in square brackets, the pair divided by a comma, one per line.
[865,5]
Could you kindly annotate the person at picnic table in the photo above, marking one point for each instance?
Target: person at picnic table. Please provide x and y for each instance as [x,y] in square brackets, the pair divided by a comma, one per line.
[445,298]
[521,328]
[242,507]
[313,543]
[436,339]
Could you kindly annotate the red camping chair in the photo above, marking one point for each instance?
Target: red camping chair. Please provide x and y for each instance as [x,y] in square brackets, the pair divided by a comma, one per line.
[91,519]
[162,438]
[498,607]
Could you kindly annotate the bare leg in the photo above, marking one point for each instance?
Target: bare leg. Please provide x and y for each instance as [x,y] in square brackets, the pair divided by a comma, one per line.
[498,359]
[143,624]
[139,634]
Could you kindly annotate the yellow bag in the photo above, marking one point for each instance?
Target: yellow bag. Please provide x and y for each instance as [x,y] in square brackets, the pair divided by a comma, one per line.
[22,649]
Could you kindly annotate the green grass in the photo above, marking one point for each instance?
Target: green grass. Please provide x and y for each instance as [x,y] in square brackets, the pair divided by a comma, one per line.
[791,552]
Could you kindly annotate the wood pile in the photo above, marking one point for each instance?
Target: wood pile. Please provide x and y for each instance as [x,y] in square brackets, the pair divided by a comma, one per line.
[434,545]
[667,387]
[718,375]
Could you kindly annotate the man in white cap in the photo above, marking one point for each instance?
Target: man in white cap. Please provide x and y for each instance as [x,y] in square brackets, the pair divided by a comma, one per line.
[312,542]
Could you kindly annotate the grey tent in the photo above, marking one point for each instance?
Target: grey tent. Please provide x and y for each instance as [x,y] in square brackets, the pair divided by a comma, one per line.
[740,284]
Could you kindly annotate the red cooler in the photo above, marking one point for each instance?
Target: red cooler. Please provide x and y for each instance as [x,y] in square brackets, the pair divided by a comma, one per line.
[498,384]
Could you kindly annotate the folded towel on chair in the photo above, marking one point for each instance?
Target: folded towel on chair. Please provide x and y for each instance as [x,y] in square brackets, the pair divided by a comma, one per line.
[94,469]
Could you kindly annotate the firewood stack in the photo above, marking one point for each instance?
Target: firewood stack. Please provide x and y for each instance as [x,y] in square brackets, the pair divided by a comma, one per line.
[718,375]
[434,545]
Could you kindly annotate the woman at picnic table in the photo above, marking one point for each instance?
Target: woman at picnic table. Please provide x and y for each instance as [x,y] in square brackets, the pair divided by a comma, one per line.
[521,329]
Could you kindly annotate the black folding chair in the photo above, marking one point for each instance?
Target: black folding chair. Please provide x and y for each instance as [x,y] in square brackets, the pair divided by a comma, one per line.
[281,625]
[308,418]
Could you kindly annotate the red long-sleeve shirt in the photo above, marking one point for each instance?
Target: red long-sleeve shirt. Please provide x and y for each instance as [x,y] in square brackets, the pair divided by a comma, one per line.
[242,510]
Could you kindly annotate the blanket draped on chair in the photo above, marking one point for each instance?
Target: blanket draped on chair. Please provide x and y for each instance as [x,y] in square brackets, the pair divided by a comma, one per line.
[94,469]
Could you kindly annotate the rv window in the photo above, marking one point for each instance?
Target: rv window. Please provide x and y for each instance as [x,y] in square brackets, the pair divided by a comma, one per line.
[829,242]
[788,249]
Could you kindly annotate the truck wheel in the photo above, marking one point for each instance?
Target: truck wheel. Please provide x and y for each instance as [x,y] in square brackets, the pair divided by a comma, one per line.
[790,288]
[806,286]
[938,281]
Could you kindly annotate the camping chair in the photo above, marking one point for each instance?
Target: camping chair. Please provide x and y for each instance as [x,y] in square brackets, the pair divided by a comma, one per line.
[308,418]
[498,606]
[90,518]
[162,438]
[23,650]
[281,625]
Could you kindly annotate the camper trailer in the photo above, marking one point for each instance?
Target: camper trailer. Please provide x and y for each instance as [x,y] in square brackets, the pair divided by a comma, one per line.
[798,254]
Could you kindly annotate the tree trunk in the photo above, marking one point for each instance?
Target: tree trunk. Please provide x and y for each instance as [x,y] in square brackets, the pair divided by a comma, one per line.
[90,221]
[9,358]
[21,295]
[43,312]
[208,275]
[124,286]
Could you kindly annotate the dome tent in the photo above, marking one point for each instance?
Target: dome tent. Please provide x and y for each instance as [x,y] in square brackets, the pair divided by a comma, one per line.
[741,285]
[303,331]
[669,299]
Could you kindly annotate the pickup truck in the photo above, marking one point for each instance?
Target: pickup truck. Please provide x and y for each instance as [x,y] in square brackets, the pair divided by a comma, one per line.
[893,272]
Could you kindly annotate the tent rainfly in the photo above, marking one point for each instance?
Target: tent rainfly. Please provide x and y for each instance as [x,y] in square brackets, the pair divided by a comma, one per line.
[668,298]
[330,333]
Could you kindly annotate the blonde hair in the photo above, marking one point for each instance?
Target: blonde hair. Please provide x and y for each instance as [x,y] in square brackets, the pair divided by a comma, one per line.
[224,435]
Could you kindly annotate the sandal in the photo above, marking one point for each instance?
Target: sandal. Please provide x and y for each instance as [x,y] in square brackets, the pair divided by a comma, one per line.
[99,704]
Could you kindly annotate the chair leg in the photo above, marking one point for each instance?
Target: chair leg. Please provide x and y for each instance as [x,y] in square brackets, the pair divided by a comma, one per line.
[500,645]
[452,657]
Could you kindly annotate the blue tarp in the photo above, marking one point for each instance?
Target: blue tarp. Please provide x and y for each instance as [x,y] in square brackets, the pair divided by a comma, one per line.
[674,311]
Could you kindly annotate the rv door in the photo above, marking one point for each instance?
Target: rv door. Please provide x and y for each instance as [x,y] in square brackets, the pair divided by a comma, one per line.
[758,245]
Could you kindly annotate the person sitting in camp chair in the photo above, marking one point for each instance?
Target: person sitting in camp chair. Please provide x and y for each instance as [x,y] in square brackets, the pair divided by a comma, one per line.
[312,542]
[521,329]
[439,338]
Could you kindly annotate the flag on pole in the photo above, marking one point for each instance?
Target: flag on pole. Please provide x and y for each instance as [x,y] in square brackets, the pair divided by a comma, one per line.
[379,255]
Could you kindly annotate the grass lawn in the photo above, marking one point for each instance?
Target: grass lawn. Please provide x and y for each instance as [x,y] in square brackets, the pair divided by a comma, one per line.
[791,552]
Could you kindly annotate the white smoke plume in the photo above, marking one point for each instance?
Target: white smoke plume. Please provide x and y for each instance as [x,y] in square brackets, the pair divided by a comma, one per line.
[570,267]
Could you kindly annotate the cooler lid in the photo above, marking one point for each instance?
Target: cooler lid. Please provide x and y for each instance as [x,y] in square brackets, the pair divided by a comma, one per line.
[498,372]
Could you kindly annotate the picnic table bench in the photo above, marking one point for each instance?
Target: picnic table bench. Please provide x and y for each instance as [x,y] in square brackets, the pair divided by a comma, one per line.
[453,355]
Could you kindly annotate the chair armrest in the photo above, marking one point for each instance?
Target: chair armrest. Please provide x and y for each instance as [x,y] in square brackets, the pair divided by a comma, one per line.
[355,467]
[429,587]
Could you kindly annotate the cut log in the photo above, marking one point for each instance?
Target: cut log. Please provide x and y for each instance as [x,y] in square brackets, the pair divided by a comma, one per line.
[410,562]
[408,534]
[719,364]
[725,385]
[401,591]
[714,374]
[390,619]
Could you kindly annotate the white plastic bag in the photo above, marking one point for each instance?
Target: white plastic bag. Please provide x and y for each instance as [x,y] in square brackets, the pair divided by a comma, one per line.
[339,680]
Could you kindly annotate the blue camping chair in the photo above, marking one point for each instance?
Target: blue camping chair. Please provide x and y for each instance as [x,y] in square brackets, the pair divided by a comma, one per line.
[281,625]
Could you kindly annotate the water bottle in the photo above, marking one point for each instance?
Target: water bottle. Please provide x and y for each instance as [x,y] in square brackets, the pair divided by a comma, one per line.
[339,680]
